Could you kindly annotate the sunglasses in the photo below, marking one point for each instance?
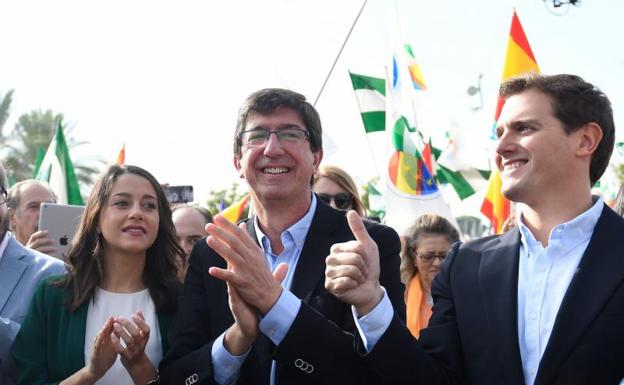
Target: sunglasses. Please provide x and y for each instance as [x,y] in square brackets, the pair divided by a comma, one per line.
[341,200]
[429,257]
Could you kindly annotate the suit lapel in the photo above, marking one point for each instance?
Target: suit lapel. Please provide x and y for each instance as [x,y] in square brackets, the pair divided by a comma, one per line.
[12,267]
[310,269]
[600,272]
[498,282]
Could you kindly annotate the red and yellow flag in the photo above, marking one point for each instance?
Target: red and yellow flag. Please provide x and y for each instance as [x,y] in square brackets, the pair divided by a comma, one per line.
[121,157]
[518,60]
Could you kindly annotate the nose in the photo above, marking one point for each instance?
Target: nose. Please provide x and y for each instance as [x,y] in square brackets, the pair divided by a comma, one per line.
[505,143]
[136,211]
[273,146]
[437,262]
[187,246]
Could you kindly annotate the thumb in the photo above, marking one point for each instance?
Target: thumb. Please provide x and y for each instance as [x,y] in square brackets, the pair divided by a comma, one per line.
[280,272]
[357,227]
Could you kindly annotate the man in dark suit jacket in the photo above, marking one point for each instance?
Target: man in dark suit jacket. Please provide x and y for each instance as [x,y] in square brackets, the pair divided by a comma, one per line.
[543,303]
[238,323]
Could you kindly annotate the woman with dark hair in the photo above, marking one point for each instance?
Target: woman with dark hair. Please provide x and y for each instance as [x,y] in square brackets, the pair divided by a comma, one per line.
[426,243]
[106,320]
[336,188]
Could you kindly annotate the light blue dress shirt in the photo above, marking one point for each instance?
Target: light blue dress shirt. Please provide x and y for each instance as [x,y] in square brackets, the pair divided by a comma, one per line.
[543,279]
[276,323]
[544,274]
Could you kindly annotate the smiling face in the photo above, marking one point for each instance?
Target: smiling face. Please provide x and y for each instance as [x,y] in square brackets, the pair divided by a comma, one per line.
[534,154]
[129,218]
[278,170]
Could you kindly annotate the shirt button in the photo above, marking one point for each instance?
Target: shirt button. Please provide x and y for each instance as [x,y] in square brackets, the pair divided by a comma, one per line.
[532,315]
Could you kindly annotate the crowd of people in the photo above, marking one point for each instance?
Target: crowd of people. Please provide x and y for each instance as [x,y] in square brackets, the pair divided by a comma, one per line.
[308,290]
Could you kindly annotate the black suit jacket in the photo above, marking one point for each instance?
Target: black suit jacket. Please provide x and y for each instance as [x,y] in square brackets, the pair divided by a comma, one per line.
[472,336]
[321,335]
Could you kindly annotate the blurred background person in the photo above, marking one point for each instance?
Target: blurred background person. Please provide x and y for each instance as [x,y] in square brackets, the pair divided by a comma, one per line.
[336,188]
[190,225]
[426,243]
[21,270]
[24,203]
[122,285]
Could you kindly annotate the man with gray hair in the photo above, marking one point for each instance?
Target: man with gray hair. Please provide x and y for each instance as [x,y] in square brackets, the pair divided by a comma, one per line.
[21,269]
[24,202]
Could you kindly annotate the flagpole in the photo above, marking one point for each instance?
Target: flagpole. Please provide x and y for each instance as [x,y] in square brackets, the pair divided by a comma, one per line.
[339,53]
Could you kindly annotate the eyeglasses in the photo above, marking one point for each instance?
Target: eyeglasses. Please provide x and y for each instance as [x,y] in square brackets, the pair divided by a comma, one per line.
[342,200]
[259,136]
[3,195]
[429,257]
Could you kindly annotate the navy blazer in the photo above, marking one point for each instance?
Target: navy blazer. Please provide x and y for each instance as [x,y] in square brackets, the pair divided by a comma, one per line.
[322,334]
[472,336]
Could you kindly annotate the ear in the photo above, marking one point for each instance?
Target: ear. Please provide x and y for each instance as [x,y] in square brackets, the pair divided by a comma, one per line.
[237,165]
[318,156]
[11,213]
[589,137]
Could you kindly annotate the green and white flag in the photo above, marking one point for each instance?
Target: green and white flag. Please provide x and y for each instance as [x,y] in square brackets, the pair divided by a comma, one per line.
[370,93]
[57,169]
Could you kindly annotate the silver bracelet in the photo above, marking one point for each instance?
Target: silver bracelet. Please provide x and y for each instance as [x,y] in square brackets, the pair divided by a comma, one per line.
[154,381]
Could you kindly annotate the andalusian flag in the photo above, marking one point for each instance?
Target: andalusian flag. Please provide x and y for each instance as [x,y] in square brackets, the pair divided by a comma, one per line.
[57,169]
[519,60]
[370,93]
[236,211]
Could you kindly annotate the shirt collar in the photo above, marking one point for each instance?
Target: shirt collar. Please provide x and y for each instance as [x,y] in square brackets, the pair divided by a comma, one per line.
[297,231]
[566,235]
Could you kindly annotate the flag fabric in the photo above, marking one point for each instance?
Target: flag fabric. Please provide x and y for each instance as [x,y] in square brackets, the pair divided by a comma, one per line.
[236,211]
[409,190]
[57,169]
[38,159]
[121,157]
[376,203]
[370,93]
[519,59]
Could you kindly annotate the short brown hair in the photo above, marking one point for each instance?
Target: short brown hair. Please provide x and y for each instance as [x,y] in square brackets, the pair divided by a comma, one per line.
[575,103]
[268,100]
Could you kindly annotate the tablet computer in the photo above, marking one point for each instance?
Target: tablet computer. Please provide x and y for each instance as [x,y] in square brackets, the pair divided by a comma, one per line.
[61,222]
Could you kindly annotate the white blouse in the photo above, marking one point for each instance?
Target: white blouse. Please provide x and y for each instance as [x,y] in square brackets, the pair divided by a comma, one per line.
[105,304]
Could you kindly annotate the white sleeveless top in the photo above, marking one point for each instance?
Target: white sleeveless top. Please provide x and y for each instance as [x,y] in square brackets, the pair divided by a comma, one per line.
[106,304]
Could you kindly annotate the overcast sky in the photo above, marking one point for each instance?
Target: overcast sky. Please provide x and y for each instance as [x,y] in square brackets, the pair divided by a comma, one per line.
[167,77]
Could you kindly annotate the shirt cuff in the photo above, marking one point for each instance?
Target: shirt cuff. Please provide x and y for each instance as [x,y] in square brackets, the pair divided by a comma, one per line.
[374,324]
[225,367]
[276,323]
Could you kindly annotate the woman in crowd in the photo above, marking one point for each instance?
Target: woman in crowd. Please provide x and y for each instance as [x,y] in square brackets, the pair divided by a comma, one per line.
[336,188]
[107,319]
[426,243]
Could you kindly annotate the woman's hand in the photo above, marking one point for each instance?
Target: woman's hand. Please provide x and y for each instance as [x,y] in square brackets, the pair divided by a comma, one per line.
[135,333]
[103,354]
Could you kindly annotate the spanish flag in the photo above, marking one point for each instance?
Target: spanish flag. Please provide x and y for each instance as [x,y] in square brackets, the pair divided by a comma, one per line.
[121,157]
[519,60]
